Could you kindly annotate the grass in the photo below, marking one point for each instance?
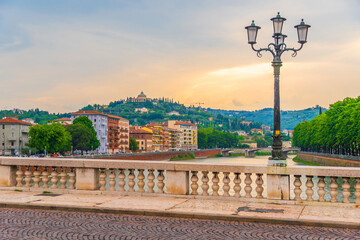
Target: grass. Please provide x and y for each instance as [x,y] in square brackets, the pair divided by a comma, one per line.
[181,157]
[298,160]
[18,190]
[236,154]
[215,155]
[46,192]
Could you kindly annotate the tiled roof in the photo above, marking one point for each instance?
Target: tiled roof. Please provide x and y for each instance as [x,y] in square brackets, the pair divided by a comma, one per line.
[14,121]
[184,123]
[62,119]
[113,116]
[84,112]
[134,131]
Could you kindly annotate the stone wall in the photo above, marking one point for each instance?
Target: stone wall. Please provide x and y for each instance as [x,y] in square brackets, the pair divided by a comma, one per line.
[327,160]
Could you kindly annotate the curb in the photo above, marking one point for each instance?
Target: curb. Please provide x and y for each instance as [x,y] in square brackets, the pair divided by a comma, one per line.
[185,215]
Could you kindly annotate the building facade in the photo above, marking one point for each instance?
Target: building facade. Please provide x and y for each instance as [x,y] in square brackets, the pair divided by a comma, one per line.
[117,134]
[100,122]
[143,138]
[14,136]
[188,139]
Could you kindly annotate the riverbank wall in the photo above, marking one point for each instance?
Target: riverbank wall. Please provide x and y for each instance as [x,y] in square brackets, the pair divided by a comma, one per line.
[156,155]
[329,159]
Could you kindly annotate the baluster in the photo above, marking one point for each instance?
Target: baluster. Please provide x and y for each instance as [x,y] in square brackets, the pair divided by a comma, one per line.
[102,180]
[248,187]
[19,176]
[121,180]
[27,177]
[226,186]
[151,183]
[54,177]
[205,185]
[160,179]
[321,192]
[259,185]
[346,190]
[237,187]
[141,182]
[333,191]
[36,178]
[112,181]
[45,178]
[131,182]
[297,190]
[194,183]
[215,186]
[63,176]
[309,191]
[357,191]
[71,179]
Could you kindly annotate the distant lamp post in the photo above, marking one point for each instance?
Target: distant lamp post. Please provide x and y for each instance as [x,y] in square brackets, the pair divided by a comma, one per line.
[277,49]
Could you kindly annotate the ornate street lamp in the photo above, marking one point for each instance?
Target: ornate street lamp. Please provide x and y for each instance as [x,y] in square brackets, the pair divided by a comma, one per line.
[277,49]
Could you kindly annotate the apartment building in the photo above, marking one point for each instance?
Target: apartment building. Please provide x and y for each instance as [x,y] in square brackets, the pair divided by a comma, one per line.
[100,123]
[117,134]
[13,135]
[143,138]
[188,139]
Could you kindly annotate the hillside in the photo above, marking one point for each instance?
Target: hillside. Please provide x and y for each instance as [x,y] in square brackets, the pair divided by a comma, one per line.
[160,110]
[289,119]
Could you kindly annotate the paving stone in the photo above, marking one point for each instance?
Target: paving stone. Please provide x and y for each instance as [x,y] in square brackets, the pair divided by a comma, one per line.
[48,224]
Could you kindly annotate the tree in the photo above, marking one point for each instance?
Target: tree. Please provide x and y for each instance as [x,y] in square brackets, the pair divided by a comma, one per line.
[85,121]
[81,136]
[52,137]
[133,144]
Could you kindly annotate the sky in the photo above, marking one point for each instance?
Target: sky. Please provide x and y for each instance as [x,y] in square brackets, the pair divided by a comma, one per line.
[62,55]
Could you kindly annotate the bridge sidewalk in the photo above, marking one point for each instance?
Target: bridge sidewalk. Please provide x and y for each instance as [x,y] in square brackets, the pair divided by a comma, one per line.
[190,207]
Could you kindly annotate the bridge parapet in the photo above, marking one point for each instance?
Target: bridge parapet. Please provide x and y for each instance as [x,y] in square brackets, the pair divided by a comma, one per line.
[300,184]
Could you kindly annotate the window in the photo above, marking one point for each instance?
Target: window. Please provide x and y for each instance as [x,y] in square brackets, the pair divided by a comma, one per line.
[3,144]
[13,127]
[12,143]
[95,120]
[3,126]
[12,134]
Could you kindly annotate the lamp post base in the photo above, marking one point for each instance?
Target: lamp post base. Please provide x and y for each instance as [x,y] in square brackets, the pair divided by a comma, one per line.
[277,162]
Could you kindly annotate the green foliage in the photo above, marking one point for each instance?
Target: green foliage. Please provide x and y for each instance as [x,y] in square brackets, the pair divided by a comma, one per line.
[236,154]
[53,137]
[183,157]
[212,138]
[133,144]
[93,142]
[335,131]
[289,119]
[81,136]
[261,153]
[298,160]
[37,115]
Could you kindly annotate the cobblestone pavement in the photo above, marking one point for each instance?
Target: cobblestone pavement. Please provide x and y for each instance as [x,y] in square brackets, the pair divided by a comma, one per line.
[48,224]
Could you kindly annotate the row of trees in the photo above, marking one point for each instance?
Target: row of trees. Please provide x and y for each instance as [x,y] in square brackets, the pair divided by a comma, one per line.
[55,137]
[337,131]
[212,138]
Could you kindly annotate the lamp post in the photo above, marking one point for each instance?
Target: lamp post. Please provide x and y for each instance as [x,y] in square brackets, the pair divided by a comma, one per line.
[277,49]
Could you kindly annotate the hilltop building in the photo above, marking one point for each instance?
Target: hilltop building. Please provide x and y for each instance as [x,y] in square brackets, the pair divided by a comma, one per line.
[140,98]
[13,135]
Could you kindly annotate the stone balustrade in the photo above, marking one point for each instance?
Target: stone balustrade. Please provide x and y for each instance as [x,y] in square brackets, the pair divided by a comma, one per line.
[297,183]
